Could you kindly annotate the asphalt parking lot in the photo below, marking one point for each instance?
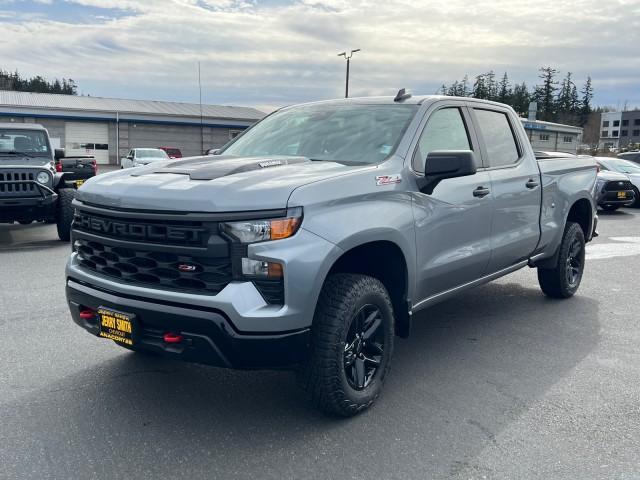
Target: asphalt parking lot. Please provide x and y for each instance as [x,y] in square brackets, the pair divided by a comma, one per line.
[498,383]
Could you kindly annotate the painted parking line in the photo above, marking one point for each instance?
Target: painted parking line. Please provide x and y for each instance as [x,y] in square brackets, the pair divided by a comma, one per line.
[623,247]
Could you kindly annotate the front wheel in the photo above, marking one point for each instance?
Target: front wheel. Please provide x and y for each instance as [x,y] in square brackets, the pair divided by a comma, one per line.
[563,280]
[352,344]
[64,213]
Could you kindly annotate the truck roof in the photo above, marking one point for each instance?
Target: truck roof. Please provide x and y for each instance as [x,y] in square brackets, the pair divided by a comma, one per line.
[22,126]
[390,100]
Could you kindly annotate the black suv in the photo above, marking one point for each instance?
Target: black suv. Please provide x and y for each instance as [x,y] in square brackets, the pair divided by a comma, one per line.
[30,187]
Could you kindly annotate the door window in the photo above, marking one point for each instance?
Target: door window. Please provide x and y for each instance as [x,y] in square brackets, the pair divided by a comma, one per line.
[501,145]
[445,130]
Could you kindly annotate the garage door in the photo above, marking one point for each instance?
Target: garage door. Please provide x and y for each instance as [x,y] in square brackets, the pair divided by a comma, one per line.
[87,138]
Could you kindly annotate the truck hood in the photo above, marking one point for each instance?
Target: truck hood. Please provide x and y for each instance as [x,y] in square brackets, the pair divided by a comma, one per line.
[210,183]
[23,161]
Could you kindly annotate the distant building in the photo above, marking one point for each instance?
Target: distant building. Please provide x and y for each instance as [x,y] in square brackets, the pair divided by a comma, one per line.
[108,127]
[555,137]
[610,124]
[629,128]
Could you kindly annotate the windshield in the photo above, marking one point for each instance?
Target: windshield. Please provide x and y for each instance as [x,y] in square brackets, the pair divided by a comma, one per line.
[622,166]
[358,134]
[29,142]
[151,153]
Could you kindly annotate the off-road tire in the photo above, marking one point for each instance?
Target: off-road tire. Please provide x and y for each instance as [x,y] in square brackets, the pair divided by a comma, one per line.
[324,376]
[610,208]
[64,213]
[555,282]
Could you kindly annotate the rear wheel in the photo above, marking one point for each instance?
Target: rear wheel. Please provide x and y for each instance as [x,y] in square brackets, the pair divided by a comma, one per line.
[64,213]
[563,280]
[636,192]
[352,344]
[610,208]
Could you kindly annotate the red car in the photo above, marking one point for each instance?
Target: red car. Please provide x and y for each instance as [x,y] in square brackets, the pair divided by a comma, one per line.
[172,152]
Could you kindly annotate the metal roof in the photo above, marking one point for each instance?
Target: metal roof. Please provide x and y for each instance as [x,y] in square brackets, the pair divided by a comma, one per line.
[110,105]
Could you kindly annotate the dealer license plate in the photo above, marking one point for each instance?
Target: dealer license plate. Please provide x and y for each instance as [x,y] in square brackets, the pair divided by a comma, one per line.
[622,194]
[116,326]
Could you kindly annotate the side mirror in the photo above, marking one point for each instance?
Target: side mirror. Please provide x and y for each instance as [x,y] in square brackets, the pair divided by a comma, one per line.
[130,157]
[58,153]
[213,151]
[443,164]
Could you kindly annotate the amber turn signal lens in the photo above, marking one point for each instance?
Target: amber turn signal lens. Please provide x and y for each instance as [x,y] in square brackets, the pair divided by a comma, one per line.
[284,228]
[275,270]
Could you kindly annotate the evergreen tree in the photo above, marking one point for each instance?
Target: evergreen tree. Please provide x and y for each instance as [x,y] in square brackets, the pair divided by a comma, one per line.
[585,102]
[13,81]
[520,99]
[480,89]
[504,90]
[545,94]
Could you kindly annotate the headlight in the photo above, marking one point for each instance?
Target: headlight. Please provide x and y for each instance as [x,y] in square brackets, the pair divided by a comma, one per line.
[253,231]
[43,177]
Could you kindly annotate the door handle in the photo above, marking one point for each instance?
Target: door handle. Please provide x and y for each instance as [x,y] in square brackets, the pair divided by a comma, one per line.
[531,183]
[481,192]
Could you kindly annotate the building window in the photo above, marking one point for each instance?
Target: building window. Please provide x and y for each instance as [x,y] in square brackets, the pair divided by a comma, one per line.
[544,137]
[615,133]
[636,133]
[605,133]
[605,123]
[625,123]
[624,133]
[568,139]
[616,123]
[636,121]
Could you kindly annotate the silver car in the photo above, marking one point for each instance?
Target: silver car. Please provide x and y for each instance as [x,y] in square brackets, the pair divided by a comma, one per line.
[630,169]
[138,157]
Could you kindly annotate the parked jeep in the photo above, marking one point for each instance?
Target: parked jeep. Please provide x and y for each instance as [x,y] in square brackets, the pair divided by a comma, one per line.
[30,187]
[312,240]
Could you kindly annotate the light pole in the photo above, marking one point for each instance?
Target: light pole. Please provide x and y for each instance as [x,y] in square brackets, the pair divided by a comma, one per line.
[348,58]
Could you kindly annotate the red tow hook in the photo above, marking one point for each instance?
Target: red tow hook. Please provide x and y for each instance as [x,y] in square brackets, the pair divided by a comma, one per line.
[87,314]
[172,337]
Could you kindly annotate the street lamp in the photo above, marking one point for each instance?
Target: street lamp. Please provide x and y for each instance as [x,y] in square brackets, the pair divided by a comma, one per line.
[348,58]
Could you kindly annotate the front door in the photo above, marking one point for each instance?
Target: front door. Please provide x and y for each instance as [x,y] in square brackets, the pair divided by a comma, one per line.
[453,224]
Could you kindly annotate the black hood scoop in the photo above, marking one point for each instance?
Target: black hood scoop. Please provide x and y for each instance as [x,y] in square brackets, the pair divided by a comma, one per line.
[211,167]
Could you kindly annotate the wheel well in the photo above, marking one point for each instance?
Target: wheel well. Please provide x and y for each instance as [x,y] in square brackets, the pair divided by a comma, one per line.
[385,261]
[580,213]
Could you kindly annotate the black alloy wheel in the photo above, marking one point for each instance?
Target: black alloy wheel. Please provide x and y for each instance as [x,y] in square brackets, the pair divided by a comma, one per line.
[575,261]
[364,347]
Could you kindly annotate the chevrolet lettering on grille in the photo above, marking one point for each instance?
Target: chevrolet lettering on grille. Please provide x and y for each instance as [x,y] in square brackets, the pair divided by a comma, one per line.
[138,231]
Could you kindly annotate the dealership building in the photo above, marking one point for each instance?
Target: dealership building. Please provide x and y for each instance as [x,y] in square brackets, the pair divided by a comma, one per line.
[108,127]
[555,137]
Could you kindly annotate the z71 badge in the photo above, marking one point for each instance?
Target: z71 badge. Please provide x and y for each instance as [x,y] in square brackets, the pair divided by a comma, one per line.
[388,179]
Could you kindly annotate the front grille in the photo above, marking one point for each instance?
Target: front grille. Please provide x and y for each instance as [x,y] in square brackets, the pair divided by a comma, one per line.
[20,182]
[176,233]
[191,274]
[617,185]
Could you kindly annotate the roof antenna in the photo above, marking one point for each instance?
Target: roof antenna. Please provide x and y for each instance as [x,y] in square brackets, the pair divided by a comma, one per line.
[401,95]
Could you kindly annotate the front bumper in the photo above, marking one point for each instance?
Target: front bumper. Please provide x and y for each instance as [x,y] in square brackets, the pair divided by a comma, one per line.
[208,335]
[27,208]
[611,198]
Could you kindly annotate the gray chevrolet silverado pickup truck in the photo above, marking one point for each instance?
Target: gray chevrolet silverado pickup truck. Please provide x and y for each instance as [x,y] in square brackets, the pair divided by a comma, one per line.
[313,238]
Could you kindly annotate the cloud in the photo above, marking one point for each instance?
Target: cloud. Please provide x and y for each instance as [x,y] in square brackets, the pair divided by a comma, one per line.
[273,52]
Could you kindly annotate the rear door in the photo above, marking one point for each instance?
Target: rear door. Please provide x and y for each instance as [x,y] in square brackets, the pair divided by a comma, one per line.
[453,223]
[515,186]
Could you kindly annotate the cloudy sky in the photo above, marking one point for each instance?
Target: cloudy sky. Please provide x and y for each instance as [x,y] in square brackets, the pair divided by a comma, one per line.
[268,53]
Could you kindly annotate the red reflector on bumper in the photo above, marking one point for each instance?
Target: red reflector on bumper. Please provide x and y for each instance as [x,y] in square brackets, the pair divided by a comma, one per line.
[87,314]
[172,337]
